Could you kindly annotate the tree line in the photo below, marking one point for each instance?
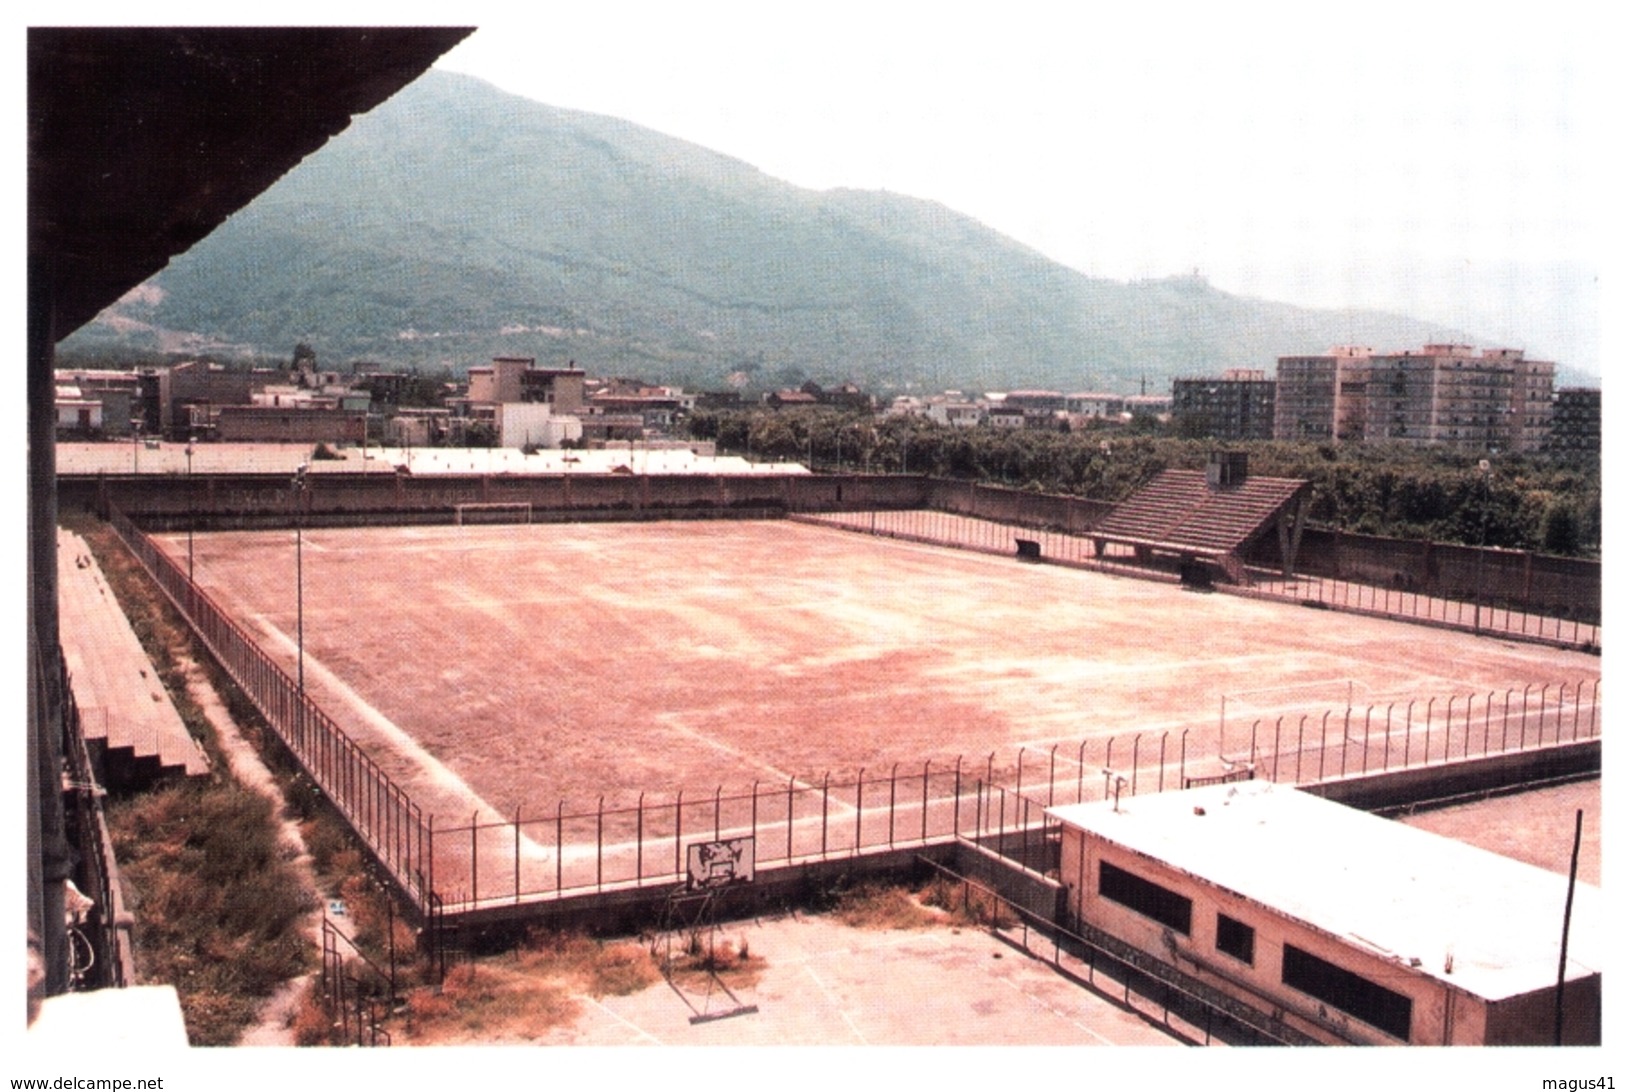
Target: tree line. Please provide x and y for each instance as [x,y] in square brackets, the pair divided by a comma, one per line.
[1548,503]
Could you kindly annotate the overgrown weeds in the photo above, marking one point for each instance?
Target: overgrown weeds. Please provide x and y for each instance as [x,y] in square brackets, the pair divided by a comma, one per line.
[218,909]
[218,906]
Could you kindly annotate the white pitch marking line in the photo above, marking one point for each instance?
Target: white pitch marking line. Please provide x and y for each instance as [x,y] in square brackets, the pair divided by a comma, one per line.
[846,1017]
[623,1020]
[671,721]
[397,739]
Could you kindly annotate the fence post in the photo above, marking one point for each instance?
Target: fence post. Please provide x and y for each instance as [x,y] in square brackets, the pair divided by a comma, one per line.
[516,812]
[1562,689]
[1449,722]
[790,818]
[1540,734]
[925,799]
[823,837]
[1057,747]
[1182,736]
[677,838]
[1506,709]
[1387,735]
[474,843]
[716,814]
[1343,756]
[753,787]
[640,838]
[1162,760]
[600,842]
[1081,748]
[957,782]
[1275,754]
[1134,778]
[857,835]
[1523,716]
[1427,734]
[558,848]
[1325,719]
[891,809]
[1020,753]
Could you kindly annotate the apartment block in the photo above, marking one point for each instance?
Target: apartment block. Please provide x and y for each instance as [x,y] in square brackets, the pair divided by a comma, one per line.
[1440,395]
[1239,405]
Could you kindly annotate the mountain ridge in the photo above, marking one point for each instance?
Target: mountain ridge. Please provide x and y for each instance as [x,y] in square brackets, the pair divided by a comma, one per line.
[456,222]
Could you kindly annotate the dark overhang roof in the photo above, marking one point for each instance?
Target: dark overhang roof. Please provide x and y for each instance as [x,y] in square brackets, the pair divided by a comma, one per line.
[141,140]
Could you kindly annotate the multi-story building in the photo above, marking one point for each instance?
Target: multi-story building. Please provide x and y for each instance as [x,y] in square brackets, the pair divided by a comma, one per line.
[518,379]
[1576,420]
[1447,396]
[1322,398]
[1239,405]
[1085,404]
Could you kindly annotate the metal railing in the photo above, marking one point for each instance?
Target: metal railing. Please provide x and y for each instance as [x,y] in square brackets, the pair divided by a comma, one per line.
[1078,551]
[380,811]
[548,853]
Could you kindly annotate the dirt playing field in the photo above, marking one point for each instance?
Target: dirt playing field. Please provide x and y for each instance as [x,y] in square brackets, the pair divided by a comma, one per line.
[513,666]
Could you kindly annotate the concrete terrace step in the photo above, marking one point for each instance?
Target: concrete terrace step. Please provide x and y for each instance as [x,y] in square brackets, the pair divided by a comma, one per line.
[121,700]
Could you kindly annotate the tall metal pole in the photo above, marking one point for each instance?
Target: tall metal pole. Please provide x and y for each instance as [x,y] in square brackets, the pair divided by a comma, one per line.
[191,508]
[299,567]
[1568,910]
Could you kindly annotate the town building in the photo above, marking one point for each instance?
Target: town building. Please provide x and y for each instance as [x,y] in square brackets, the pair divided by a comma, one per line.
[1343,926]
[1442,395]
[93,402]
[1322,398]
[1576,421]
[287,424]
[1238,405]
[1088,404]
[518,379]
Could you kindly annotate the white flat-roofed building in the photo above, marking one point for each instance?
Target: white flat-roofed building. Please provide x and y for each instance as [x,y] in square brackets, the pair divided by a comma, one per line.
[1344,925]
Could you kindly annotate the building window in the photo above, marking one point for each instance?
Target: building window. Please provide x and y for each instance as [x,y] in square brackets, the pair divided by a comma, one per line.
[1144,897]
[1235,939]
[1360,997]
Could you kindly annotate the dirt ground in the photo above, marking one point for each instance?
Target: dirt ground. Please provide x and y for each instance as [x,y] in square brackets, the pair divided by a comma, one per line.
[1536,827]
[515,666]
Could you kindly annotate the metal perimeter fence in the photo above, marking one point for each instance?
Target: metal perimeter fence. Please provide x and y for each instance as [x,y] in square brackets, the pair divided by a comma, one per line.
[381,812]
[460,865]
[997,801]
[1078,551]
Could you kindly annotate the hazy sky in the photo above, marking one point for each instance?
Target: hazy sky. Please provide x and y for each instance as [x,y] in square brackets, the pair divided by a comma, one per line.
[1438,159]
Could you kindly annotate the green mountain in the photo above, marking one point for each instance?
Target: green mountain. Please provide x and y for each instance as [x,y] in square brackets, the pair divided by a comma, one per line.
[457,222]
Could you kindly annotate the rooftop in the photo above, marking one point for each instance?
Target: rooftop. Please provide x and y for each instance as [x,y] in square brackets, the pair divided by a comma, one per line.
[1417,898]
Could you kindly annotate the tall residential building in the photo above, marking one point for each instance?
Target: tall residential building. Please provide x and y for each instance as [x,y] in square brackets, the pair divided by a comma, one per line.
[1576,420]
[1440,395]
[1322,398]
[1239,405]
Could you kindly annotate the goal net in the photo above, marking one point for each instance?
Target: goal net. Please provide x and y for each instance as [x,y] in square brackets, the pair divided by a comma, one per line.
[492,512]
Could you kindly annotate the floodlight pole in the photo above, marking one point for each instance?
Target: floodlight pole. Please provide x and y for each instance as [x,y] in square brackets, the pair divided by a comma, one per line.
[191,507]
[299,486]
[1483,541]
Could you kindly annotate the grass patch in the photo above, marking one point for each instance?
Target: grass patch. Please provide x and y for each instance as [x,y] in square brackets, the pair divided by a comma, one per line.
[217,910]
[523,994]
[883,906]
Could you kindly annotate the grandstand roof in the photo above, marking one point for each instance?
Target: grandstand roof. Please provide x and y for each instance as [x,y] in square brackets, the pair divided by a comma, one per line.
[1180,511]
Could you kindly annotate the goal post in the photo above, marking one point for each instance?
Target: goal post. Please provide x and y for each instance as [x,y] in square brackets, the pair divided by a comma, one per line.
[492,512]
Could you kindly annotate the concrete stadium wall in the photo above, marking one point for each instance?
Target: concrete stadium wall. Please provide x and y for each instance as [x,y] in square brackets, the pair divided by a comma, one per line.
[1562,587]
[1554,586]
[1407,788]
